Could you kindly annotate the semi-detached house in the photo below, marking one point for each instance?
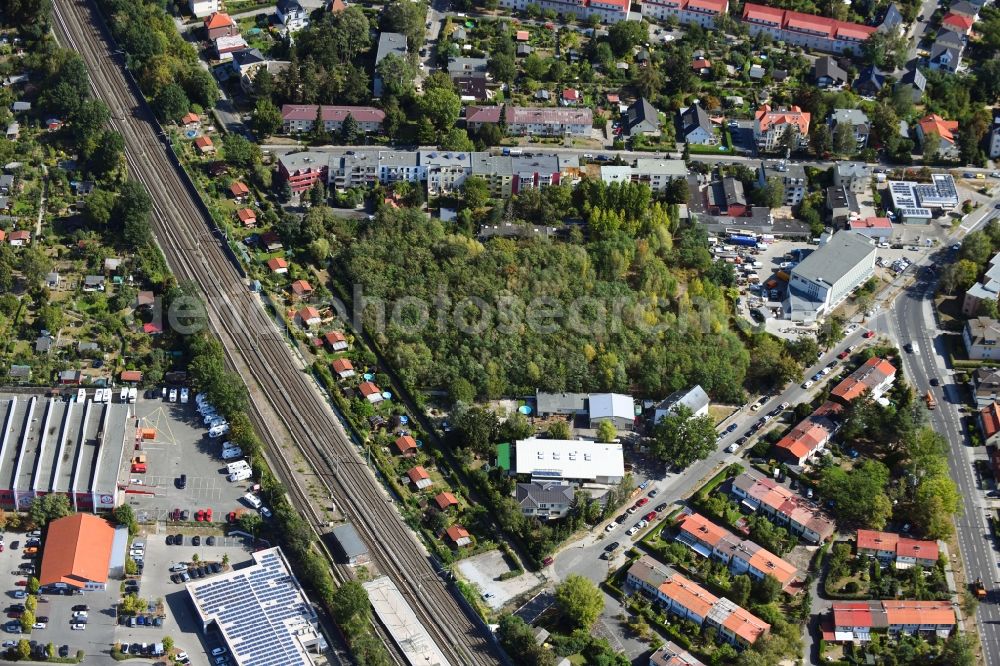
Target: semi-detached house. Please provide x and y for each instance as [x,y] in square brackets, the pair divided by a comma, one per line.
[810,436]
[688,600]
[875,375]
[892,547]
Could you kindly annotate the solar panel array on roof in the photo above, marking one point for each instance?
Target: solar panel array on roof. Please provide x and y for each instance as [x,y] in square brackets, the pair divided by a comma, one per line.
[260,611]
[914,212]
[902,194]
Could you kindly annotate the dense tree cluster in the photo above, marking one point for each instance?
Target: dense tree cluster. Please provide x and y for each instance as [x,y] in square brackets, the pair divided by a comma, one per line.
[625,322]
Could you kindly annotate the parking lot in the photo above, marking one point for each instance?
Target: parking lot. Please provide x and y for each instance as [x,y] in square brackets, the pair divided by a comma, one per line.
[485,570]
[181,446]
[99,633]
[180,622]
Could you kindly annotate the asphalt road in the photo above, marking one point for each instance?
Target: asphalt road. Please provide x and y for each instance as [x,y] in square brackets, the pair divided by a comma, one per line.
[912,320]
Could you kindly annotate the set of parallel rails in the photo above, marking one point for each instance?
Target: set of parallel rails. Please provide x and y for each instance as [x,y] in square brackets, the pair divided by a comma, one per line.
[257,350]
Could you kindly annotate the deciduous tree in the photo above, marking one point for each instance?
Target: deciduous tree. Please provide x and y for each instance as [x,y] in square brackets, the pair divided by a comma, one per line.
[579,601]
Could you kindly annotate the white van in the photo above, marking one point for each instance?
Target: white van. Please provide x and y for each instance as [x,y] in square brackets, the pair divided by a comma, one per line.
[81,395]
[173,395]
[241,475]
[133,393]
[252,500]
[123,395]
[184,396]
[237,466]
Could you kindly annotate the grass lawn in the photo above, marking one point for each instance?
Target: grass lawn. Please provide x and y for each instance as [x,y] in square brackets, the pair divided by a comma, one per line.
[718,413]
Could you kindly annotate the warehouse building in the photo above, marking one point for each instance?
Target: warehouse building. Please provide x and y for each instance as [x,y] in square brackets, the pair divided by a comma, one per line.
[261,612]
[74,448]
[570,460]
[79,551]
[826,277]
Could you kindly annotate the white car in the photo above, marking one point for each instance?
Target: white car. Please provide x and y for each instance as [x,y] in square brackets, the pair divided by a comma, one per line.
[217,651]
[632,530]
[732,447]
[218,431]
[611,527]
[173,395]
[264,511]
[76,626]
[180,566]
[7,644]
[807,384]
[229,454]
[38,625]
[253,500]
[184,396]
[19,594]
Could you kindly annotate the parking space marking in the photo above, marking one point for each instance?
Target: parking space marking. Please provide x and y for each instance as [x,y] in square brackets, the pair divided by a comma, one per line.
[153,421]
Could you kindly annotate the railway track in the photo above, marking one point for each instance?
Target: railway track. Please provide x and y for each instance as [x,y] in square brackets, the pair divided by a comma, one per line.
[288,409]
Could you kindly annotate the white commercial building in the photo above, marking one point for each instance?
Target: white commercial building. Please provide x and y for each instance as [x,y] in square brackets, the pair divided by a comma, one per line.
[261,612]
[617,408]
[824,279]
[913,202]
[202,8]
[569,460]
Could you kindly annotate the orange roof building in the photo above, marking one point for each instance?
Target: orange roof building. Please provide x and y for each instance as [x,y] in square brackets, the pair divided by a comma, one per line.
[989,423]
[247,216]
[190,118]
[77,552]
[131,376]
[419,477]
[239,190]
[808,30]
[406,445]
[445,501]
[854,621]
[204,145]
[875,375]
[742,555]
[335,340]
[308,316]
[959,22]
[809,437]
[301,288]
[343,368]
[770,125]
[277,265]
[932,123]
[370,392]
[904,551]
[459,536]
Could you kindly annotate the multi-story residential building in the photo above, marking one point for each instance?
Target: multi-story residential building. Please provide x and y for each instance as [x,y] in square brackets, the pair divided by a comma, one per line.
[770,126]
[671,654]
[545,500]
[445,170]
[740,555]
[981,336]
[987,386]
[642,118]
[854,621]
[821,281]
[696,127]
[945,130]
[609,11]
[854,176]
[946,51]
[658,173]
[220,24]
[497,171]
[303,170]
[988,289]
[875,375]
[202,8]
[783,507]
[892,547]
[995,137]
[291,15]
[791,175]
[301,117]
[856,120]
[536,171]
[688,600]
[388,42]
[810,437]
[701,12]
[815,32]
[533,121]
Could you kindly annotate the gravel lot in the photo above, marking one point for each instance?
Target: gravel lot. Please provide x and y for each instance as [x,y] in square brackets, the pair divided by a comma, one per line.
[484,571]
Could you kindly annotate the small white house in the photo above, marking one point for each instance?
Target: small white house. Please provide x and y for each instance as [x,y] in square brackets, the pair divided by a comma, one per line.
[694,399]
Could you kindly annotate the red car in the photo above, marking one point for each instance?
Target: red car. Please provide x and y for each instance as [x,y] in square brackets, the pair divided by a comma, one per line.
[869,334]
[200,515]
[208,515]
[844,354]
[651,516]
[21,583]
[643,502]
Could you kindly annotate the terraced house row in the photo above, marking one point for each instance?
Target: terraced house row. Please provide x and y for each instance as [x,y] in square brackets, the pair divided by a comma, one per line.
[784,507]
[688,600]
[741,555]
[854,622]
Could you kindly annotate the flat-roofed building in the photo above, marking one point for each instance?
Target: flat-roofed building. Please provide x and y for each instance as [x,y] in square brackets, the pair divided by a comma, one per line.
[981,336]
[569,460]
[261,612]
[824,279]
